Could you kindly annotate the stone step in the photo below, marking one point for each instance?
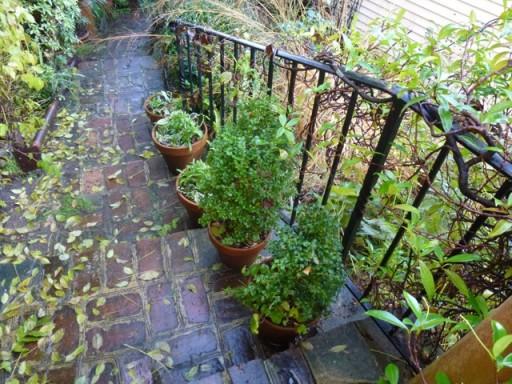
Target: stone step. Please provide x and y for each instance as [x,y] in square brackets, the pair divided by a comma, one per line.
[252,372]
[355,352]
[289,367]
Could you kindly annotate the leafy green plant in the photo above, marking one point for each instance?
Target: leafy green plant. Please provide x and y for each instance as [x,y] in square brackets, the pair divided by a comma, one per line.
[251,173]
[163,103]
[391,375]
[424,320]
[299,283]
[178,129]
[190,180]
[55,27]
[501,341]
[19,71]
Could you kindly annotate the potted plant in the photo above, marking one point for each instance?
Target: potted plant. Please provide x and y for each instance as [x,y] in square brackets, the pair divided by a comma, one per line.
[289,293]
[189,190]
[82,29]
[250,177]
[180,138]
[161,104]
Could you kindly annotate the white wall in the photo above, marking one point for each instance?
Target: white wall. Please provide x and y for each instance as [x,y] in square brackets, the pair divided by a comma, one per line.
[423,14]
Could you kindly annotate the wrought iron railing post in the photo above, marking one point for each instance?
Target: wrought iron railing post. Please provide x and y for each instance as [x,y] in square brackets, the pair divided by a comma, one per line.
[181,74]
[387,137]
[307,146]
[341,143]
[425,186]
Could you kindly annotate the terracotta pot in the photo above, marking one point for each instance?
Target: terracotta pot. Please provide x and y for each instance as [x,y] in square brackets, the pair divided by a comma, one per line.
[178,157]
[193,210]
[153,117]
[237,258]
[278,334]
[84,36]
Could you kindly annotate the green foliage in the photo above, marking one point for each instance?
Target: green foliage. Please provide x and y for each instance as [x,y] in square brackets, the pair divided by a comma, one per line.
[502,340]
[391,375]
[190,180]
[304,275]
[424,319]
[178,129]
[73,206]
[54,29]
[32,33]
[251,173]
[464,68]
[163,103]
[19,68]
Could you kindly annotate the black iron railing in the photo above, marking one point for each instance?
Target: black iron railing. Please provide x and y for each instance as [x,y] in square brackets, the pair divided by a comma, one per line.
[197,45]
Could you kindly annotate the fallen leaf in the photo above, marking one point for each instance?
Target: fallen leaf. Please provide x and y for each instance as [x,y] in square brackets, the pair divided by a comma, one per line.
[149,275]
[97,341]
[338,348]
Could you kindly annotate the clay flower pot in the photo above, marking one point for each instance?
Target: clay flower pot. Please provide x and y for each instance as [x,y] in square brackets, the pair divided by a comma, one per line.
[237,258]
[193,209]
[153,117]
[277,334]
[177,158]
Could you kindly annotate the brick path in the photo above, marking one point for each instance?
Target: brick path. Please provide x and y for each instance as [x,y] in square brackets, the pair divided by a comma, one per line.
[149,297]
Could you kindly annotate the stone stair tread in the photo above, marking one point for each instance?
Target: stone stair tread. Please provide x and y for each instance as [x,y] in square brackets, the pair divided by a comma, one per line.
[289,367]
[341,355]
[252,372]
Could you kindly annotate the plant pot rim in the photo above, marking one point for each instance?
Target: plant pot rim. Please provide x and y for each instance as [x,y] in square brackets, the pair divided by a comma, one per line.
[149,111]
[84,37]
[182,195]
[185,147]
[217,241]
[309,324]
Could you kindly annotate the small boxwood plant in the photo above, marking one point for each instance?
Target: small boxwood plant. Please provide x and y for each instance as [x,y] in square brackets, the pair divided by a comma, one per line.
[178,129]
[251,173]
[163,103]
[304,275]
[190,179]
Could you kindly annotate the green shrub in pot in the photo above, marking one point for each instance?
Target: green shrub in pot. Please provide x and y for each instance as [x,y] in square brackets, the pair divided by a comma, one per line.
[304,275]
[180,137]
[178,129]
[189,191]
[190,178]
[251,174]
[163,102]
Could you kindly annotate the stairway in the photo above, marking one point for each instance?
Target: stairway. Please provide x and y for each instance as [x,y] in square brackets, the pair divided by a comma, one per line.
[348,346]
